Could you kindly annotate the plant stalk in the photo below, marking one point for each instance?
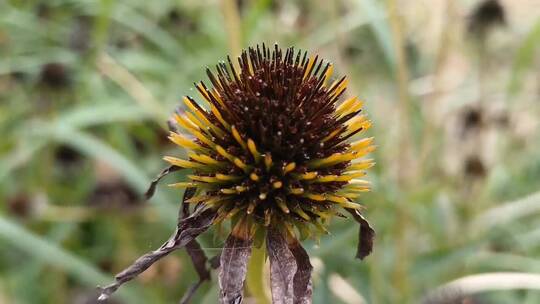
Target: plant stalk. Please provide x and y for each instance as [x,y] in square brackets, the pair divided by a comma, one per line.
[255,279]
[233,25]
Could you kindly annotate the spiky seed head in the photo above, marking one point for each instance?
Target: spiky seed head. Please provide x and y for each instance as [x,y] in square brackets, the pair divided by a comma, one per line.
[273,145]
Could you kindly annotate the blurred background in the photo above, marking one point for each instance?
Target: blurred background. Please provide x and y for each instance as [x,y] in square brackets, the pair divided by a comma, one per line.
[453,89]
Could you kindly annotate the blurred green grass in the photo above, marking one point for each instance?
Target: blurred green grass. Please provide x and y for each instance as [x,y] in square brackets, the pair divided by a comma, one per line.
[86,86]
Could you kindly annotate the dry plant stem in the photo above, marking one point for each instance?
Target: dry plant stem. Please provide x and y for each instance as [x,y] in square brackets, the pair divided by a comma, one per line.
[66,214]
[431,104]
[406,169]
[190,292]
[340,40]
[402,77]
[478,283]
[233,25]
[188,229]
[199,259]
[127,81]
[483,60]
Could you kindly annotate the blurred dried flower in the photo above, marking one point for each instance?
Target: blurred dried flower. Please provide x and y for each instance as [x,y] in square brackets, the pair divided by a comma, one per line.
[20,205]
[67,157]
[472,119]
[273,155]
[485,16]
[114,194]
[474,167]
[180,20]
[43,10]
[54,75]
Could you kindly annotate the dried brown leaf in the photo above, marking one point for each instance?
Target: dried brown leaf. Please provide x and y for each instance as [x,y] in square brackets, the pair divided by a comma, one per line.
[152,188]
[303,288]
[365,236]
[199,259]
[187,230]
[282,268]
[232,274]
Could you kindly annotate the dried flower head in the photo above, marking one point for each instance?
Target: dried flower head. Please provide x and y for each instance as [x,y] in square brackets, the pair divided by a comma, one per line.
[272,151]
[485,16]
[54,75]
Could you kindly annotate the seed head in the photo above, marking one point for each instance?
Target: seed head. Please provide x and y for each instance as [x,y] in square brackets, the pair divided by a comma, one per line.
[487,15]
[272,140]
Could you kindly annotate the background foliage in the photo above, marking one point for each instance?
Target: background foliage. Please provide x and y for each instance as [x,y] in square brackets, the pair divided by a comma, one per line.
[453,90]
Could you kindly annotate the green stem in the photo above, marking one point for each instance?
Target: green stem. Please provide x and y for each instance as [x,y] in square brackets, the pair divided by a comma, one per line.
[255,276]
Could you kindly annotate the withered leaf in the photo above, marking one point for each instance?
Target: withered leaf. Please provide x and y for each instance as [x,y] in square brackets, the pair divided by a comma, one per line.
[199,259]
[365,236]
[282,268]
[152,188]
[303,288]
[232,274]
[187,230]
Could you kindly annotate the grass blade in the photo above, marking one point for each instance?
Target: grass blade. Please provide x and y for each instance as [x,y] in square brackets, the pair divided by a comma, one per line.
[51,254]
